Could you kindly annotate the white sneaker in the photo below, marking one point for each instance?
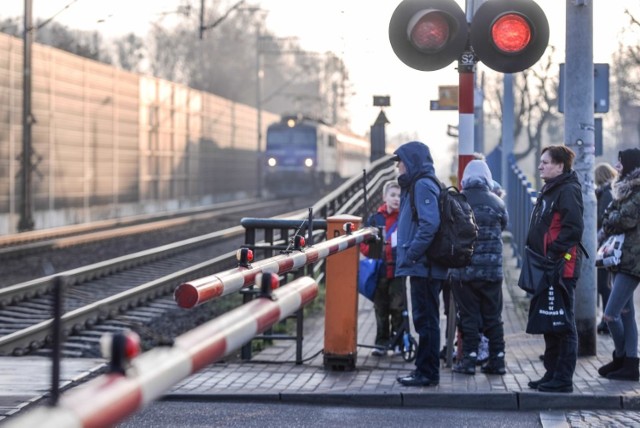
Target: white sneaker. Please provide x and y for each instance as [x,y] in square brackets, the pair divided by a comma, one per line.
[379,352]
[397,351]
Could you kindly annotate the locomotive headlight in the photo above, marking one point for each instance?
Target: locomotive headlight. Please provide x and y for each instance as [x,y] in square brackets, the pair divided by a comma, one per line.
[308,162]
[272,162]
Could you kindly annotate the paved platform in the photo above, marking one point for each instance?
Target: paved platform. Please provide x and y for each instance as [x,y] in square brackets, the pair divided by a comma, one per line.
[273,376]
[27,380]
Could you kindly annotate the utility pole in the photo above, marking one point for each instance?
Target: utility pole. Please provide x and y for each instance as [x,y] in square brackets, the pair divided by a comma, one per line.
[466,114]
[26,207]
[579,135]
[259,111]
[506,145]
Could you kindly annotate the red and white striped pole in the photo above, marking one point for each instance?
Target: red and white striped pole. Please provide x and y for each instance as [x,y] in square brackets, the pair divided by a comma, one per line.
[110,398]
[466,112]
[193,293]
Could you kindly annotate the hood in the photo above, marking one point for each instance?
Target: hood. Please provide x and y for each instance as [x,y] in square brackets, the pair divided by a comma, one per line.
[417,160]
[624,189]
[630,160]
[477,172]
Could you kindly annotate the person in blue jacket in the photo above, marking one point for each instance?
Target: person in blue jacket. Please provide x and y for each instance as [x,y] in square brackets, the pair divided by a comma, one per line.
[415,234]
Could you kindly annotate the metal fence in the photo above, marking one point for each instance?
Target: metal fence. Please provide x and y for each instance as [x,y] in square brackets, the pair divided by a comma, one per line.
[520,201]
[110,143]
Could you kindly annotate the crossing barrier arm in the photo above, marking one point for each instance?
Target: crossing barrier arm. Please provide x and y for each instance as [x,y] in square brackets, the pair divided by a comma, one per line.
[111,398]
[198,291]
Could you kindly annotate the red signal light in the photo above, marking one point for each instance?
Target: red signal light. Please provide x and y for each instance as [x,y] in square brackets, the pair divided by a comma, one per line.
[244,257]
[430,32]
[508,35]
[131,345]
[299,241]
[511,33]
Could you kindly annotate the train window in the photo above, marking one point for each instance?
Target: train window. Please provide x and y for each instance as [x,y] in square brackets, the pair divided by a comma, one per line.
[332,140]
[285,138]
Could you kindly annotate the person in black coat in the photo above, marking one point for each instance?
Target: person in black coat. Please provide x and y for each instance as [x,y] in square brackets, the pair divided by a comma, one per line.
[555,231]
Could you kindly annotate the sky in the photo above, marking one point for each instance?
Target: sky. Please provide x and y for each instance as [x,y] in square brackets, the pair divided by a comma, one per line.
[356,30]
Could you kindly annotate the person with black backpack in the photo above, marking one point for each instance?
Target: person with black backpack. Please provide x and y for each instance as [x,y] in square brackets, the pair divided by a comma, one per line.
[477,288]
[415,235]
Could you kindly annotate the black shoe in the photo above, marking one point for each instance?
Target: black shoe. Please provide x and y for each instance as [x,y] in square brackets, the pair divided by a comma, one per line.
[602,328]
[416,379]
[495,366]
[614,365]
[443,353]
[534,384]
[555,385]
[628,371]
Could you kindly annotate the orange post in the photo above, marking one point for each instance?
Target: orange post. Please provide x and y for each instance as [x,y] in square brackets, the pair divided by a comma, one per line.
[341,300]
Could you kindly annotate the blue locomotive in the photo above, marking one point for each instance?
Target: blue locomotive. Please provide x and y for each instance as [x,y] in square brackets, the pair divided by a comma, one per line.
[305,156]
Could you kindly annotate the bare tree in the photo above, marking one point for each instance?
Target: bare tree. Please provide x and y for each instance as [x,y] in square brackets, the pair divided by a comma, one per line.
[626,93]
[130,52]
[88,44]
[224,62]
[536,114]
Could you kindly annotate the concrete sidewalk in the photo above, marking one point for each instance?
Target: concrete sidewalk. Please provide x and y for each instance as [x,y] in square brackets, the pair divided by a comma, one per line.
[273,376]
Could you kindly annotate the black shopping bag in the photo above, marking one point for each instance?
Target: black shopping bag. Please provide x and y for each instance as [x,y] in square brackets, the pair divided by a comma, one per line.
[538,272]
[550,311]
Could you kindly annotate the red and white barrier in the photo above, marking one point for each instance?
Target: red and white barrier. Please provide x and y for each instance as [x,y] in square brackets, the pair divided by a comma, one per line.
[193,293]
[111,398]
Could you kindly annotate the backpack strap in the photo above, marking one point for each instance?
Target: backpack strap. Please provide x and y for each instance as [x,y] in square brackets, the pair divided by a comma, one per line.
[393,227]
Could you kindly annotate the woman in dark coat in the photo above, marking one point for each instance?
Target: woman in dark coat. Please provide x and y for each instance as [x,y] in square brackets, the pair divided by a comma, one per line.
[622,217]
[555,231]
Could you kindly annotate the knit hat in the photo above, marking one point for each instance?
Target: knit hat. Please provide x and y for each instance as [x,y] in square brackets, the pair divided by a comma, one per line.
[630,160]
[477,170]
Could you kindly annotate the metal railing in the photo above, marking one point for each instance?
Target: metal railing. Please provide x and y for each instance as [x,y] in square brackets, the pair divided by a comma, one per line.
[349,198]
[520,199]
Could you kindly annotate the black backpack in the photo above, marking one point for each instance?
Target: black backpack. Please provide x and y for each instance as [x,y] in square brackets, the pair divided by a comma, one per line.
[453,245]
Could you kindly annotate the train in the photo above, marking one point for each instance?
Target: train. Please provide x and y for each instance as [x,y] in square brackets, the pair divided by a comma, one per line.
[306,156]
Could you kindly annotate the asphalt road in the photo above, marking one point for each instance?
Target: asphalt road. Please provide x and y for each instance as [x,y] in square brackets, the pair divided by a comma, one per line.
[262,415]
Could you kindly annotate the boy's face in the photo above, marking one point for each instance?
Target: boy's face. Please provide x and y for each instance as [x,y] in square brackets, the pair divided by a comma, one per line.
[392,198]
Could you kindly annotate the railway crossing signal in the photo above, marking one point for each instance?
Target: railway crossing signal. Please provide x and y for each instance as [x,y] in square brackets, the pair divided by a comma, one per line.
[506,35]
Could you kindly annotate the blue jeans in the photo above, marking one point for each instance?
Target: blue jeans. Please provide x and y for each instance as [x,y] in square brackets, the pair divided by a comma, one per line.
[620,315]
[425,311]
[561,349]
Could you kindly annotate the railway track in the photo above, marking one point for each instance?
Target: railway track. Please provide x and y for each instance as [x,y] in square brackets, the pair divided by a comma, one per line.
[17,245]
[105,290]
[23,262]
[135,289]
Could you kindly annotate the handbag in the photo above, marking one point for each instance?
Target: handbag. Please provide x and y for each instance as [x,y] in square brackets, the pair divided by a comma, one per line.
[369,271]
[368,274]
[538,272]
[610,252]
